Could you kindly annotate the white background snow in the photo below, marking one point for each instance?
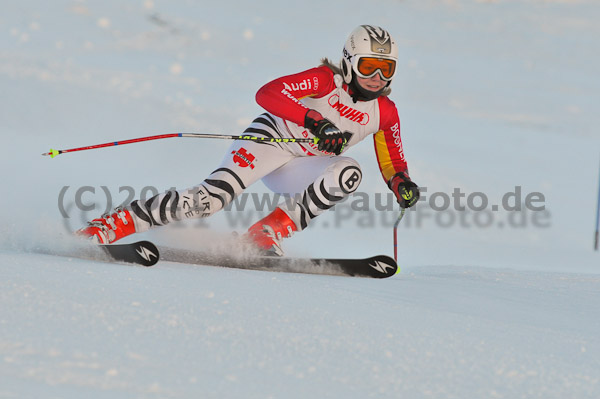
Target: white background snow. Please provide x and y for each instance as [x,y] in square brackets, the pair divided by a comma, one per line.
[492,95]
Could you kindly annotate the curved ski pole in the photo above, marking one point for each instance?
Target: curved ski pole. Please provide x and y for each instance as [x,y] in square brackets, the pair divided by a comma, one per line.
[396,233]
[53,153]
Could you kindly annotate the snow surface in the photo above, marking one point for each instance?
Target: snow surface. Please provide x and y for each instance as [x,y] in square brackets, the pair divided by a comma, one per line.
[491,94]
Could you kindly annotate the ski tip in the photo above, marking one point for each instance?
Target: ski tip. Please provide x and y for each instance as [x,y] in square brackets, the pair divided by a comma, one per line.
[142,253]
[148,254]
[382,266]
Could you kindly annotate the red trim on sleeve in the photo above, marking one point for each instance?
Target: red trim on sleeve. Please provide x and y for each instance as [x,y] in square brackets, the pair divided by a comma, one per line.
[282,96]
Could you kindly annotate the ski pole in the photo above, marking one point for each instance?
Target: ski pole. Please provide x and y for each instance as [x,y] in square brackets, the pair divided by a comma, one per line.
[396,233]
[54,153]
[596,236]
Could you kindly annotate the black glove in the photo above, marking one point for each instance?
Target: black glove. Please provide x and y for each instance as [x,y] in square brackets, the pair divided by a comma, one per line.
[407,193]
[330,138]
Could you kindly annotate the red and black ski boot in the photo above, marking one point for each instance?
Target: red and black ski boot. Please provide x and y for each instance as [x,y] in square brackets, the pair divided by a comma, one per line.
[267,233]
[109,227]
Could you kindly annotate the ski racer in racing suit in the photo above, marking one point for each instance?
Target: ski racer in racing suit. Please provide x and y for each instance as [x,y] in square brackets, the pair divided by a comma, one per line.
[338,106]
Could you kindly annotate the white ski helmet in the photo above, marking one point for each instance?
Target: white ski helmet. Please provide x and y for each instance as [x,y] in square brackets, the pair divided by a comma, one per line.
[370,42]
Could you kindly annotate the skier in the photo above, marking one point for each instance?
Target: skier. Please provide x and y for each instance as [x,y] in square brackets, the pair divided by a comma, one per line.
[339,106]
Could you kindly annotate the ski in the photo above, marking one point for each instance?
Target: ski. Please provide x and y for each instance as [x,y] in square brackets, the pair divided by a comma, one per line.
[146,253]
[141,253]
[380,266]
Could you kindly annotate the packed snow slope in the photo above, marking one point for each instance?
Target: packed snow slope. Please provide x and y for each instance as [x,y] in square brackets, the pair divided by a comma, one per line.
[85,329]
[497,100]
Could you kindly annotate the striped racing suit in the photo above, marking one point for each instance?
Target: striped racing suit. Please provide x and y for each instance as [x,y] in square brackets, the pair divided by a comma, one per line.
[314,180]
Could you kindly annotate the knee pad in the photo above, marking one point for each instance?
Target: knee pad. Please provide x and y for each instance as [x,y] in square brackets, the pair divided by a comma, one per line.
[345,174]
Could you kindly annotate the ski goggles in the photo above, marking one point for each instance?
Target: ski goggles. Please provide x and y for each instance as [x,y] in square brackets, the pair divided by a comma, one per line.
[366,67]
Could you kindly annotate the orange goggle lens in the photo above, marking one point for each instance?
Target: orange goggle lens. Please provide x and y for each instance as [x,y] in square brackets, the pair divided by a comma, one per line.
[368,66]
